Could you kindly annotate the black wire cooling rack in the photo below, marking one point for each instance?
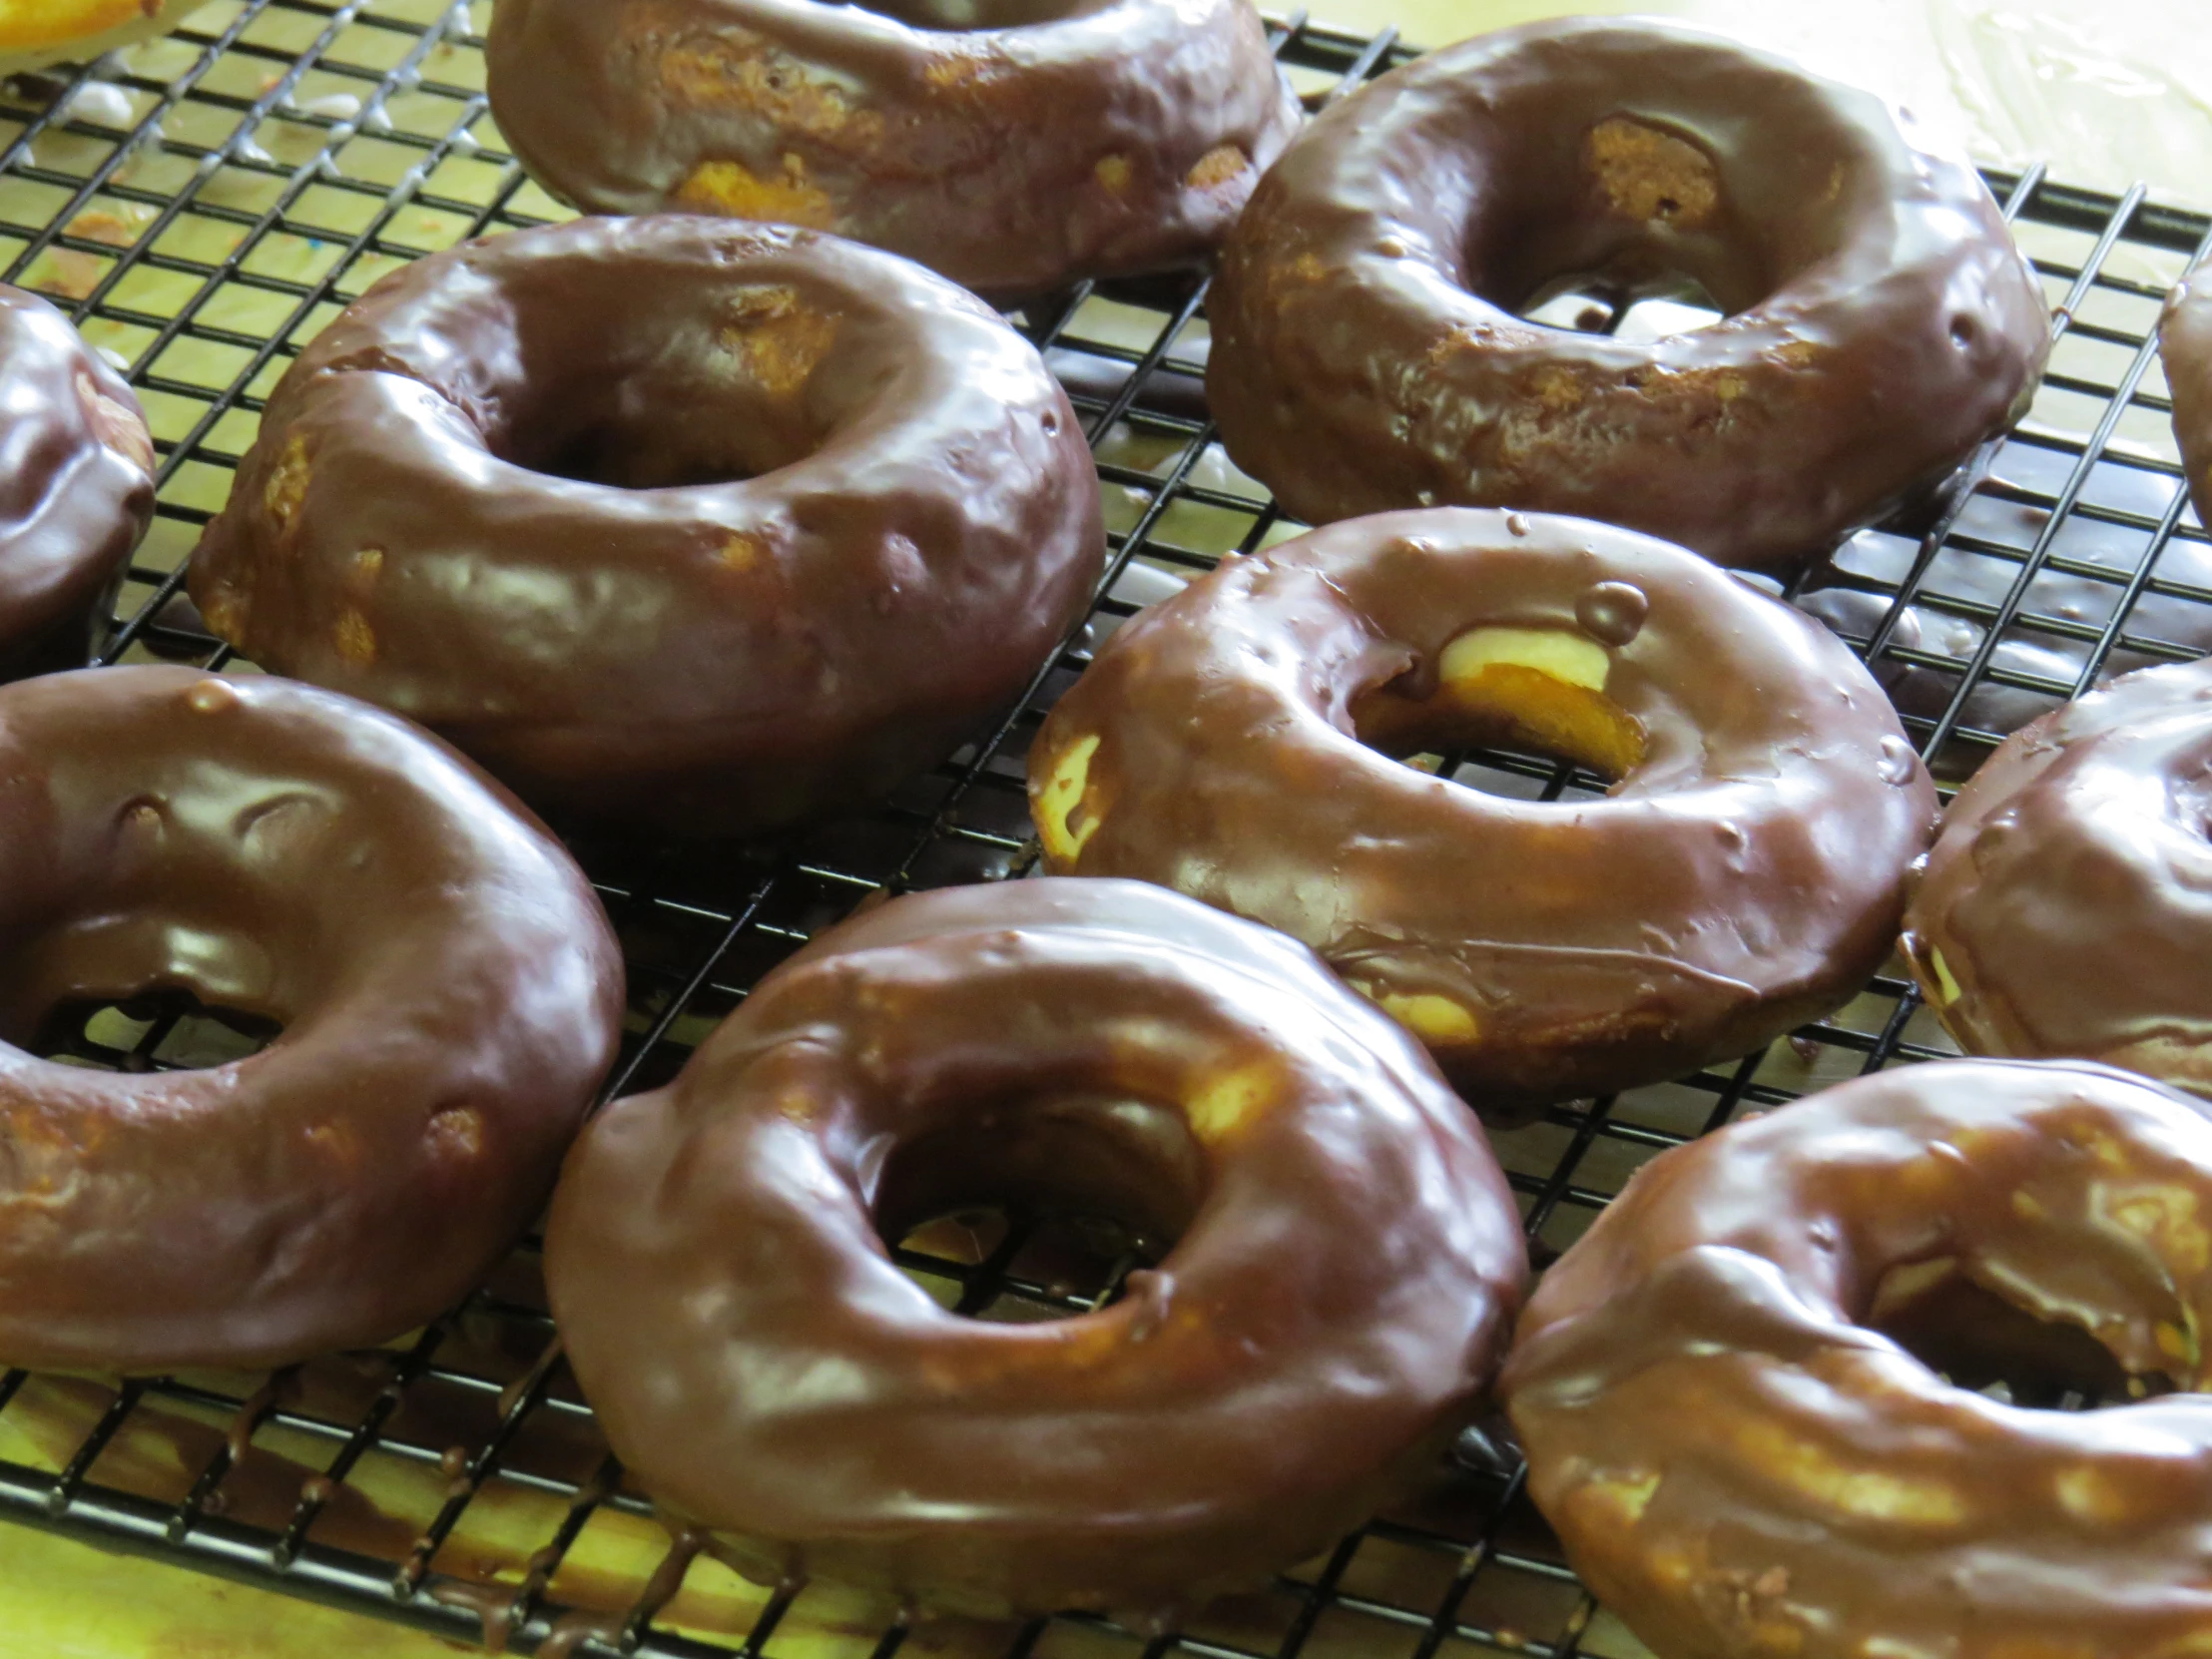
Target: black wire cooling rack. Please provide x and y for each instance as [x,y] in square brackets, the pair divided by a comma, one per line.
[204,204]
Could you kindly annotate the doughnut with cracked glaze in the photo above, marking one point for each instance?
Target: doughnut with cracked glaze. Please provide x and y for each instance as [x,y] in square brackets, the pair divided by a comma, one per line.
[449,988]
[1745,872]
[1014,145]
[711,527]
[2066,909]
[1742,1463]
[1347,1266]
[1366,354]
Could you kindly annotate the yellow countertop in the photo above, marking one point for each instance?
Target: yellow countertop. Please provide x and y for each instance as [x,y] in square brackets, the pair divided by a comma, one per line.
[2107,91]
[60,1599]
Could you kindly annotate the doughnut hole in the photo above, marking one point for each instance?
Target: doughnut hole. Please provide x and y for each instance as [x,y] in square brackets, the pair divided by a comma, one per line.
[601,416]
[1653,222]
[1648,182]
[2088,1216]
[1979,1339]
[113,968]
[1538,691]
[1587,211]
[1041,1213]
[165,1027]
[1582,303]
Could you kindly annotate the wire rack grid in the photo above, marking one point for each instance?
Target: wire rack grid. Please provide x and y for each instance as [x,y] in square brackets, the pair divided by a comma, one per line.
[204,204]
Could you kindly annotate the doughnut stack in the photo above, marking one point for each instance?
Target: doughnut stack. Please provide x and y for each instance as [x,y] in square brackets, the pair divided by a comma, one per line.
[729,509]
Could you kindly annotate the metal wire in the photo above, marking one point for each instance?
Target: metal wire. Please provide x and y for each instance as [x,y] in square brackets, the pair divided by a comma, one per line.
[282,153]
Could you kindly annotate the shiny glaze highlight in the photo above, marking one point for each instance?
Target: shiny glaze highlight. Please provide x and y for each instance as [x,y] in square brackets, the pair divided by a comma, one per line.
[1744,875]
[1367,356]
[448,985]
[2066,909]
[714,527]
[1349,1259]
[1741,1464]
[1013,146]
[76,487]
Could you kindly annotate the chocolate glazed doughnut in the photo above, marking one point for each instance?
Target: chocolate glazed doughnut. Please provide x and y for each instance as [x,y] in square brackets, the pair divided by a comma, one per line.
[2185,349]
[1740,1462]
[1347,1264]
[1745,874]
[448,985]
[711,527]
[1366,353]
[1012,145]
[2066,909]
[76,487]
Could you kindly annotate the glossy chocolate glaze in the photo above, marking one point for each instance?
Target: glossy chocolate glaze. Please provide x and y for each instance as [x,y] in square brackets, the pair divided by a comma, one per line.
[76,487]
[1744,875]
[1742,1465]
[1348,1257]
[1367,356]
[2066,909]
[708,526]
[449,988]
[2185,350]
[1014,145]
